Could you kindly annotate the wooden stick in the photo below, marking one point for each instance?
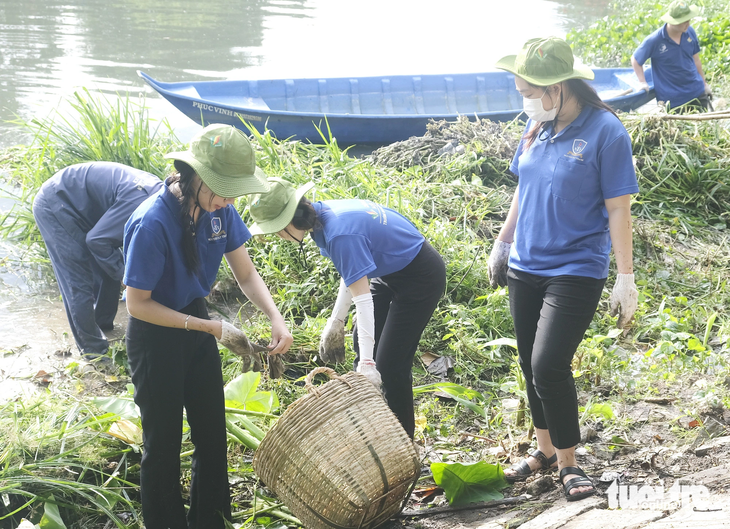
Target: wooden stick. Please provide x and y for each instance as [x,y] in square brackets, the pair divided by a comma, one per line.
[725,114]
[408,513]
[475,436]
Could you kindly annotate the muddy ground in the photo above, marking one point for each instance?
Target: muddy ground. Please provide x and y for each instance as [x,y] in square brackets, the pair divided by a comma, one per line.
[662,446]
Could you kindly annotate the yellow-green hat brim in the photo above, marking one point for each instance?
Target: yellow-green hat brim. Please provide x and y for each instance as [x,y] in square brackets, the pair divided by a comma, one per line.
[693,12]
[226,187]
[579,72]
[284,218]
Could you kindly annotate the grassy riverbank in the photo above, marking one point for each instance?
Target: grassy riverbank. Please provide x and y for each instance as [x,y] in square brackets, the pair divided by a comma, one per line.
[72,453]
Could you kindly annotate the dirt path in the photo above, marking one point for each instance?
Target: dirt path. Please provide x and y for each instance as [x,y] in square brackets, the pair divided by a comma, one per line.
[668,457]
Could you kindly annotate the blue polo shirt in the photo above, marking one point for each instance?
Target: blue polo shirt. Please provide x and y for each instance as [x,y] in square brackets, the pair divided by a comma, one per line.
[97,198]
[153,249]
[363,238]
[562,223]
[676,79]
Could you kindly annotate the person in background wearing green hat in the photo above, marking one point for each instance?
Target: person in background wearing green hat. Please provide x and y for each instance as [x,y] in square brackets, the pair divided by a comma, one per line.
[572,203]
[387,268]
[675,60]
[173,245]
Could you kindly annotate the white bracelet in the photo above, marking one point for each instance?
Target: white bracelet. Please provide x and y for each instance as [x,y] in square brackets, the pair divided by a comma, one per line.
[186,322]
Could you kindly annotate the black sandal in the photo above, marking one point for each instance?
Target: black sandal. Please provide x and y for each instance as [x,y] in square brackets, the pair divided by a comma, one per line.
[581,481]
[522,470]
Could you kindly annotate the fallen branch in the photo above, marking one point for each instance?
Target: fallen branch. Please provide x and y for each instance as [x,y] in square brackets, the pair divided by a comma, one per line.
[682,117]
[475,436]
[408,513]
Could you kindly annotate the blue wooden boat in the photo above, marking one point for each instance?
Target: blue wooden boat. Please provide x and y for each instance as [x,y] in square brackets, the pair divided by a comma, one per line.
[371,110]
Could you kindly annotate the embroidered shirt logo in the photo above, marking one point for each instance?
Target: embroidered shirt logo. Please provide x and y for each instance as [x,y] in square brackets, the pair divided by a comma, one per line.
[662,48]
[375,211]
[218,233]
[578,146]
[576,152]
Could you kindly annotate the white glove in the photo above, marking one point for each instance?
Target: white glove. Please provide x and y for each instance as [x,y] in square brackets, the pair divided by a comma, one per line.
[332,342]
[708,90]
[624,299]
[367,368]
[644,86]
[238,343]
[497,266]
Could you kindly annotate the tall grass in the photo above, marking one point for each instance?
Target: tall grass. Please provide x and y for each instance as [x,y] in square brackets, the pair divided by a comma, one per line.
[96,129]
[54,452]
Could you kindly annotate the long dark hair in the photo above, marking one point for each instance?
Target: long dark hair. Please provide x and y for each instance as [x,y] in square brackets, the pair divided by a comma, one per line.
[185,177]
[584,93]
[305,217]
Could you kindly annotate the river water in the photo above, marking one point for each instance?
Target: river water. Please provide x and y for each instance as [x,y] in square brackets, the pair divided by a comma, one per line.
[51,48]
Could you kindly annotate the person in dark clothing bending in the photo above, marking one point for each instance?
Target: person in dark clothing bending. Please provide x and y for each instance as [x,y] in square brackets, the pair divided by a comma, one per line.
[81,212]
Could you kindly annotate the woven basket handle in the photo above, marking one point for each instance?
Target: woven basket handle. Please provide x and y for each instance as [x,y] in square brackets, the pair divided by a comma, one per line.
[311,388]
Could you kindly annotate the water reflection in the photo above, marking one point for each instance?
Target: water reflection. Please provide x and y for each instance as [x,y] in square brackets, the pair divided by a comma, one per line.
[581,14]
[52,48]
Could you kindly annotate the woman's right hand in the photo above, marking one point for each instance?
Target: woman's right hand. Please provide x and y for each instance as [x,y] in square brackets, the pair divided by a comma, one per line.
[497,266]
[332,342]
[281,338]
[236,341]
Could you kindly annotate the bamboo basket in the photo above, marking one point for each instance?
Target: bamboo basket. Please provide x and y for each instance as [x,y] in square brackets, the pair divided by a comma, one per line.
[338,457]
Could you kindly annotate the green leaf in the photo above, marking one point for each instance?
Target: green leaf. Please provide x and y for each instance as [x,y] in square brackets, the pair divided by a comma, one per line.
[695,345]
[122,406]
[241,392]
[617,442]
[51,517]
[503,341]
[604,410]
[469,483]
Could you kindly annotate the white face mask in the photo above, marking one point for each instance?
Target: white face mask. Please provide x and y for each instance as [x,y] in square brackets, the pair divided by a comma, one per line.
[536,112]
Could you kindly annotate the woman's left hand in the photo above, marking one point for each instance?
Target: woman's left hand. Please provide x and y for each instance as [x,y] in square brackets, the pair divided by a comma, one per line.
[281,338]
[624,299]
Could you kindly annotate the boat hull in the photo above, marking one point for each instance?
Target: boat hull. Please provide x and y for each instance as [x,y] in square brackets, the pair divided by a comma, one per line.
[369,110]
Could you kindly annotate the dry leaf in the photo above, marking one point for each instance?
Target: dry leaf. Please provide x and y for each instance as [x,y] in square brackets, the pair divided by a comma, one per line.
[126,431]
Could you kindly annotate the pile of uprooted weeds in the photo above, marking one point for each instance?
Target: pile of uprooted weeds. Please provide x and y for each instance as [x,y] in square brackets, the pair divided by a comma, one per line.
[482,147]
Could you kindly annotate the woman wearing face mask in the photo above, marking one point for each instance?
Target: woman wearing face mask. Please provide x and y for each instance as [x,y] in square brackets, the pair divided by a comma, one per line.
[391,273]
[572,204]
[173,245]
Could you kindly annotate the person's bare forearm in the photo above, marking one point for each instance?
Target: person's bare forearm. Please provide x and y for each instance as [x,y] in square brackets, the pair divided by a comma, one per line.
[140,305]
[638,70]
[507,233]
[620,227]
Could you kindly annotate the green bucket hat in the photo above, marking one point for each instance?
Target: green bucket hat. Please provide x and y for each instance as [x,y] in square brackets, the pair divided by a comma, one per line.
[223,158]
[274,210]
[680,12]
[543,62]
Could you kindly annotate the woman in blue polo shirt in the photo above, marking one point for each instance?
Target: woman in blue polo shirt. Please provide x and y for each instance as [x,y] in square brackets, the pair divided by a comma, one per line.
[387,268]
[573,202]
[173,244]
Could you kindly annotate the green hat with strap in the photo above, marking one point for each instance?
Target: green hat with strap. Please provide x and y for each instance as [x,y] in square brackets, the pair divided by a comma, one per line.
[544,62]
[680,12]
[224,159]
[273,211]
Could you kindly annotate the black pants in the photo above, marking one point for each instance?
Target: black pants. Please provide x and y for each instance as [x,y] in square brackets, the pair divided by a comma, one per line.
[172,369]
[404,302]
[698,104]
[551,314]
